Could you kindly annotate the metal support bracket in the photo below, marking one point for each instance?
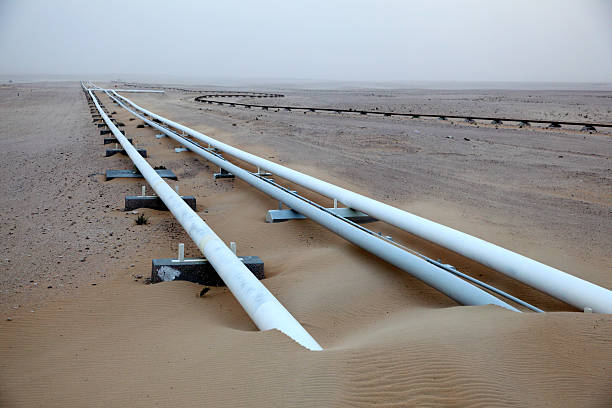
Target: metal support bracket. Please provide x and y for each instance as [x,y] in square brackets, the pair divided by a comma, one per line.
[273,216]
[223,174]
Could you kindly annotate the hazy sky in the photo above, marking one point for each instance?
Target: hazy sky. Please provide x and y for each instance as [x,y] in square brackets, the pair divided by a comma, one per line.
[472,40]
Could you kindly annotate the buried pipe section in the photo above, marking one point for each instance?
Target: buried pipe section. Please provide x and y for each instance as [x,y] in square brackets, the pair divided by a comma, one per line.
[561,285]
[262,307]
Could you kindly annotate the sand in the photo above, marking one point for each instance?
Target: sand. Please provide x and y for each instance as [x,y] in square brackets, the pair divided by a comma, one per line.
[389,339]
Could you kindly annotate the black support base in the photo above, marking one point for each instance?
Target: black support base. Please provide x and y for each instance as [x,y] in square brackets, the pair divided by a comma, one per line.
[109,140]
[113,174]
[198,270]
[107,132]
[154,202]
[112,152]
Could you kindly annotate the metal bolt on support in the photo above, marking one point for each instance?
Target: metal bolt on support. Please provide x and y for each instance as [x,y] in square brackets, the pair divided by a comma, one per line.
[181,252]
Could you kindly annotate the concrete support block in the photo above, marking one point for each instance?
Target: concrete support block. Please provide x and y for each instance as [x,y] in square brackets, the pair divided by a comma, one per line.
[112,152]
[154,202]
[198,270]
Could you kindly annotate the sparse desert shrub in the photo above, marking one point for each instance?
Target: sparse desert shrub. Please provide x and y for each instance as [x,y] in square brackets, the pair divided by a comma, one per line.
[142,220]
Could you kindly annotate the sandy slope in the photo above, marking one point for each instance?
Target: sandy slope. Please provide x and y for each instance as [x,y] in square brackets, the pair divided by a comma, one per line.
[390,340]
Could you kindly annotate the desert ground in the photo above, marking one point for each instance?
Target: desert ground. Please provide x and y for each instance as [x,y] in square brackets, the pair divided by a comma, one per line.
[80,327]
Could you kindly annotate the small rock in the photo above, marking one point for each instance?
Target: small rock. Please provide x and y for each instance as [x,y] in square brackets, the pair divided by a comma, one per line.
[9,319]
[49,287]
[132,265]
[560,157]
[138,276]
[466,139]
[93,284]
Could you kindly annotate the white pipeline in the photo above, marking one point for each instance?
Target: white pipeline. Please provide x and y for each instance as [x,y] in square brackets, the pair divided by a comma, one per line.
[263,308]
[566,287]
[449,284]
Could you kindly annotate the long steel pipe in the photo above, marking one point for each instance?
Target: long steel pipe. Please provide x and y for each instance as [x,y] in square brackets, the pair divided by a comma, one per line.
[563,286]
[263,308]
[447,283]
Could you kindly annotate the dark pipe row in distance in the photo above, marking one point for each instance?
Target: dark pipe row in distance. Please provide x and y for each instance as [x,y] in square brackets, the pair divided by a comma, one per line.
[586,126]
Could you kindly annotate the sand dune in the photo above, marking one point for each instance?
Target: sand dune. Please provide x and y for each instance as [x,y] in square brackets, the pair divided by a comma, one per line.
[128,344]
